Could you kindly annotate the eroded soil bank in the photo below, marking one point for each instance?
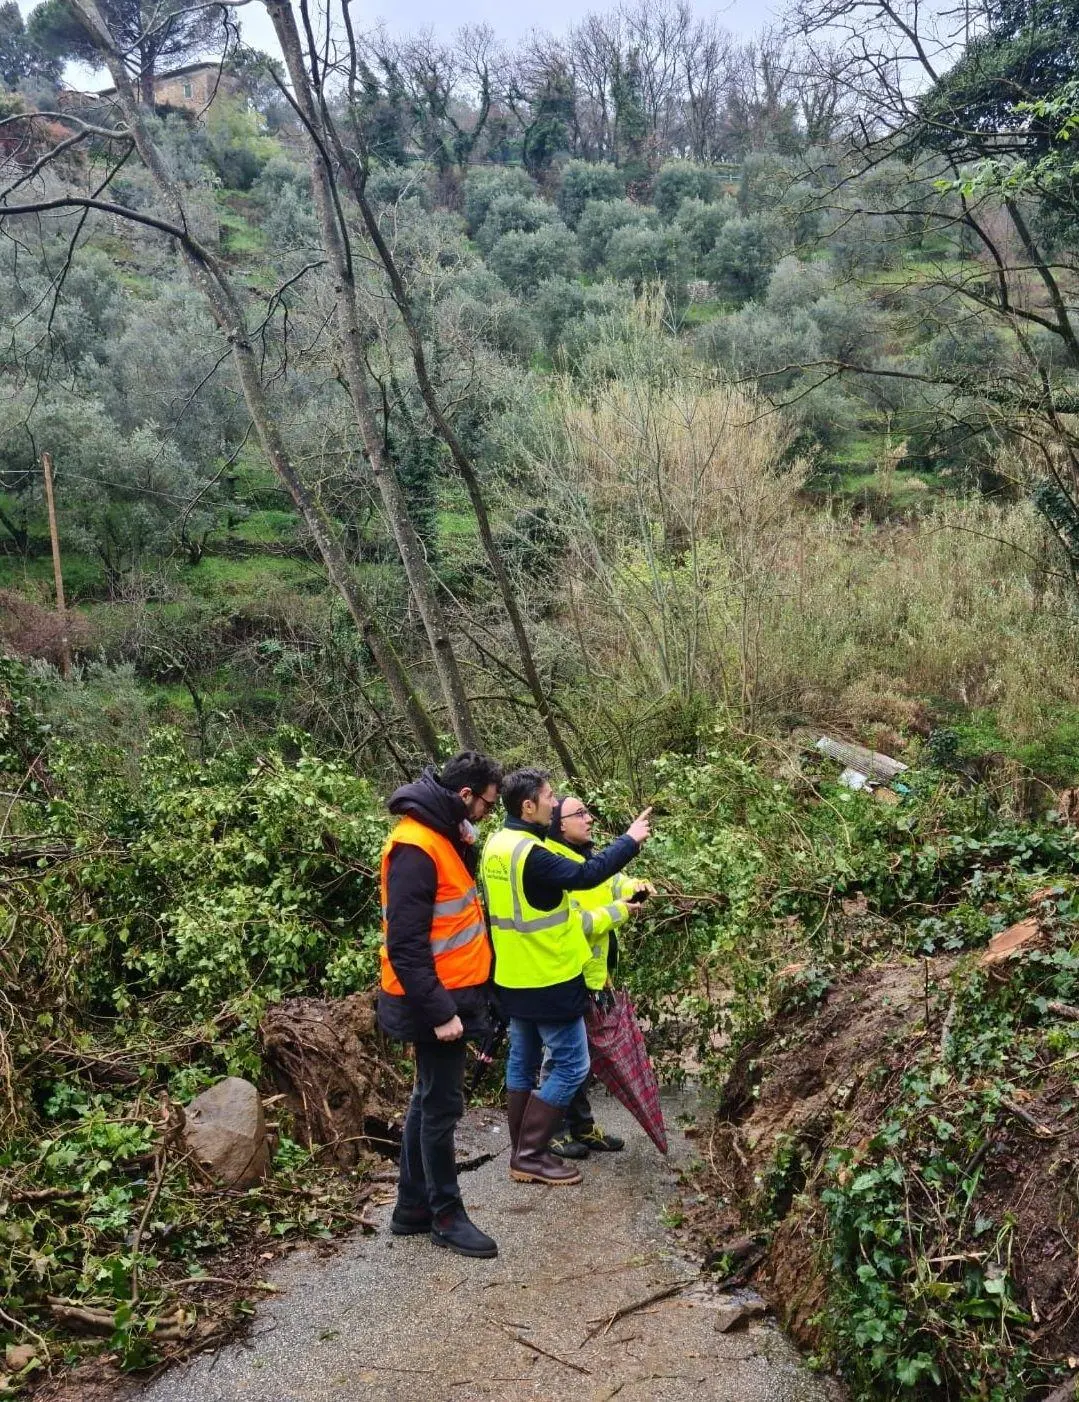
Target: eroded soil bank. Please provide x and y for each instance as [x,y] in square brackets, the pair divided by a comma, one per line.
[893,1163]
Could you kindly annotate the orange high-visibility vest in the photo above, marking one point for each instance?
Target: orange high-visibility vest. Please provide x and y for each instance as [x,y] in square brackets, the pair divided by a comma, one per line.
[459,940]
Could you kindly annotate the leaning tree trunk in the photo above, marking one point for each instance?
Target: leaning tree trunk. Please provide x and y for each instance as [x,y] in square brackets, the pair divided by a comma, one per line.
[350,342]
[310,100]
[467,470]
[213,281]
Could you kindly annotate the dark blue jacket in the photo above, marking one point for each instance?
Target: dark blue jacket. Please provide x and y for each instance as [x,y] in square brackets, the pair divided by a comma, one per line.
[546,878]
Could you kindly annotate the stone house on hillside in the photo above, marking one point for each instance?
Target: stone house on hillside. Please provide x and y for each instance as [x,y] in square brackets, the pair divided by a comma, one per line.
[191,88]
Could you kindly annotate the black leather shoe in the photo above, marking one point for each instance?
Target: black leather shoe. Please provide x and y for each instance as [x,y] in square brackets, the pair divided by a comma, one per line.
[410,1221]
[456,1232]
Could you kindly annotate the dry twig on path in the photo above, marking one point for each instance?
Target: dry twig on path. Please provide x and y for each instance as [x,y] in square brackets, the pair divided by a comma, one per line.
[1036,1128]
[605,1325]
[545,1353]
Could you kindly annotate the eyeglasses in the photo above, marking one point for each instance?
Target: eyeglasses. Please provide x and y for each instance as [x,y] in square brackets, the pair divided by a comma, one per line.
[489,804]
[577,813]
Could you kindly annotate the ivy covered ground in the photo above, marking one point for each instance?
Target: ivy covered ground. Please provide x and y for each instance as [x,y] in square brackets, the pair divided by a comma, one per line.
[154,906]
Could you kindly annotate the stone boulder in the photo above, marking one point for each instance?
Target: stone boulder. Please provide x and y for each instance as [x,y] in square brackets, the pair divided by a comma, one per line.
[225,1130]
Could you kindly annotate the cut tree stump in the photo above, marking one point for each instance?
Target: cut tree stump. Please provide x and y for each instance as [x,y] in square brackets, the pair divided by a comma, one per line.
[1016,939]
[325,1058]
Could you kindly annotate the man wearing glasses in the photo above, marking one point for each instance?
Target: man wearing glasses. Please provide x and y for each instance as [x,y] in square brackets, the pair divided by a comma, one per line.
[540,952]
[436,959]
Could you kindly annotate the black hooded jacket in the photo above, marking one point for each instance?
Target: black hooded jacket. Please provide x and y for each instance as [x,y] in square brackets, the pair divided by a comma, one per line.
[412,882]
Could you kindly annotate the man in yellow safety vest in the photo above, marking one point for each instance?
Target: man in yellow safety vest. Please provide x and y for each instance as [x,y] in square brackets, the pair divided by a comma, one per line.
[540,955]
[600,910]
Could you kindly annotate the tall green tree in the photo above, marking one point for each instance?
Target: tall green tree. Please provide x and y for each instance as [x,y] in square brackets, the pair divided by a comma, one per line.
[151,34]
[20,56]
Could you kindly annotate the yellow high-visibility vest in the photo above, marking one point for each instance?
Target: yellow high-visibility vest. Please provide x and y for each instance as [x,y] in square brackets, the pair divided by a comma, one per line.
[599,910]
[533,948]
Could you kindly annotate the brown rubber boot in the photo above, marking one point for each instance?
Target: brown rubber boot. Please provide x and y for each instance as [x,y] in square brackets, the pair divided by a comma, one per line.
[516,1100]
[531,1162]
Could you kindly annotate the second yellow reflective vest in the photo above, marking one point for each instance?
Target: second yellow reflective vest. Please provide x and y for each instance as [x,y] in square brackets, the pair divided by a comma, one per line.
[538,948]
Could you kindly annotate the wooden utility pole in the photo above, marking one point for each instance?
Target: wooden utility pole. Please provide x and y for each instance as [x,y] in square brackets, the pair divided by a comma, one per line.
[58,574]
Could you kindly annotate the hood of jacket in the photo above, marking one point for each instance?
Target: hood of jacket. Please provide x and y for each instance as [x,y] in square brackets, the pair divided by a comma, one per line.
[429,803]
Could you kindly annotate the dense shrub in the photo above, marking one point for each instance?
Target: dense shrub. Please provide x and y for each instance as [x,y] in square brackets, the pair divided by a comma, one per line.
[639,255]
[484,185]
[599,222]
[236,143]
[742,258]
[850,328]
[584,181]
[523,260]
[513,213]
[480,309]
[756,341]
[699,225]
[389,184]
[795,284]
[567,313]
[683,180]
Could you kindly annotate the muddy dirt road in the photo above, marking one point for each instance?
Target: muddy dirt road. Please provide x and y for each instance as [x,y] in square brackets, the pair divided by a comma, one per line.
[397,1320]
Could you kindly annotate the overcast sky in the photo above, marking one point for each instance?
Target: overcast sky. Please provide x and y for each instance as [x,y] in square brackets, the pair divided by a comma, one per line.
[509,21]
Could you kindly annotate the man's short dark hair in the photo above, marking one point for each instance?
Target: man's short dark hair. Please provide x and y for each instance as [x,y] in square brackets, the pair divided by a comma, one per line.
[470,770]
[522,784]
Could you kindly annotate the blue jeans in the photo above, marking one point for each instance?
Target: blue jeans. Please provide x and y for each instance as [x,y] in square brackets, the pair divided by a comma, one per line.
[567,1049]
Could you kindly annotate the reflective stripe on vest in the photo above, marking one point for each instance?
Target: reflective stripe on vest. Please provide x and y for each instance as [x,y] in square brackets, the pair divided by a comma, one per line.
[588,917]
[459,943]
[604,899]
[533,948]
[452,907]
[462,937]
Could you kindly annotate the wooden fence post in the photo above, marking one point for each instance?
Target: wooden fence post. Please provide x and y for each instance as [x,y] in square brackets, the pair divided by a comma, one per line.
[58,575]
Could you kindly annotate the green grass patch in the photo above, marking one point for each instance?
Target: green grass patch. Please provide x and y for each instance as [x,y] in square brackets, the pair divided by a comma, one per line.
[238,235]
[218,577]
[918,269]
[267,527]
[83,577]
[700,313]
[1050,748]
[256,484]
[457,525]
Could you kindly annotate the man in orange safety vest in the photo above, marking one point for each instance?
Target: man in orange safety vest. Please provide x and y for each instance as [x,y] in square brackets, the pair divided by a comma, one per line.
[436,963]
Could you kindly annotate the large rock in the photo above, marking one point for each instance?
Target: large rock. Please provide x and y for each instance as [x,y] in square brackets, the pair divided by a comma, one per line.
[226,1132]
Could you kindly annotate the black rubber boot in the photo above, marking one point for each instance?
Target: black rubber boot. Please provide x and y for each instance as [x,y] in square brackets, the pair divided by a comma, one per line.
[516,1100]
[410,1221]
[455,1231]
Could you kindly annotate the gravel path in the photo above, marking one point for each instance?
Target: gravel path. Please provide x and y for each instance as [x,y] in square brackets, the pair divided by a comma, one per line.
[397,1320]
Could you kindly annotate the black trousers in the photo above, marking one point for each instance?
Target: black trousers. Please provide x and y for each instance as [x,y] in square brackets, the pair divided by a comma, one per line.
[428,1161]
[579,1113]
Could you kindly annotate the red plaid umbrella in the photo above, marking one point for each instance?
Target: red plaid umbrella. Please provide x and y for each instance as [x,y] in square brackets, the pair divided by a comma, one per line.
[620,1060]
